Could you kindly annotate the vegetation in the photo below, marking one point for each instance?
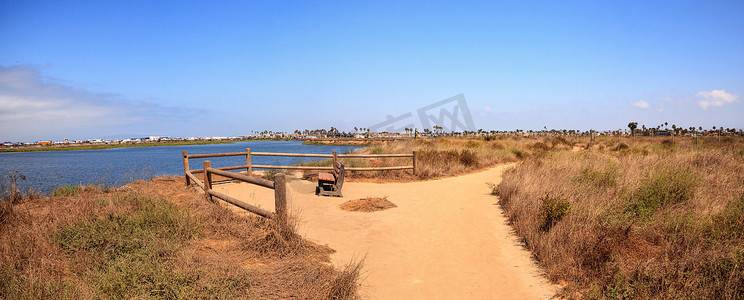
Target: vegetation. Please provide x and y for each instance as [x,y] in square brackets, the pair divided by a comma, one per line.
[158,239]
[67,190]
[356,143]
[440,157]
[634,217]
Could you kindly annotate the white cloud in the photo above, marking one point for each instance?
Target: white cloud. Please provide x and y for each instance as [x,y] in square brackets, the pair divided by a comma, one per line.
[487,108]
[640,104]
[716,98]
[34,107]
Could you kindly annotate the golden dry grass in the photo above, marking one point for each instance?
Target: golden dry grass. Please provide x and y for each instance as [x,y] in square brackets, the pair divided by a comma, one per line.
[443,157]
[368,204]
[634,217]
[158,239]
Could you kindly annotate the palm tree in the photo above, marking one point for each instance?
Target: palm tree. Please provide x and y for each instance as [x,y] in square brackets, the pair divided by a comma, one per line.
[633,126]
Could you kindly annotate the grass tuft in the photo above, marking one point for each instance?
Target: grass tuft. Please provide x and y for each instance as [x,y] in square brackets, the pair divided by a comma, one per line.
[657,190]
[554,208]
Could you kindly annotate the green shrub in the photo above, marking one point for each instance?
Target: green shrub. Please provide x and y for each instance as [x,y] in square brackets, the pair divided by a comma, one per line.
[729,224]
[599,179]
[378,150]
[670,186]
[553,210]
[468,158]
[67,190]
[518,153]
[472,144]
[271,174]
[317,163]
[134,249]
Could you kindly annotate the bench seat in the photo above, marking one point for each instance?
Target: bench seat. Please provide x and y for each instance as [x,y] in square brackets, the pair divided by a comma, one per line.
[330,184]
[326,177]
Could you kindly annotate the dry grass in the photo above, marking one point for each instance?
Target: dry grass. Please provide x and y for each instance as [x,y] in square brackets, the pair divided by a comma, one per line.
[442,157]
[635,217]
[367,204]
[158,239]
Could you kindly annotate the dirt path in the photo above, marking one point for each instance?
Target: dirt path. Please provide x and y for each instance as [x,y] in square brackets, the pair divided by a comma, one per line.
[447,239]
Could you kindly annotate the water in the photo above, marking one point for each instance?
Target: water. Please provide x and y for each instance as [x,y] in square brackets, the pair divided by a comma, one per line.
[46,171]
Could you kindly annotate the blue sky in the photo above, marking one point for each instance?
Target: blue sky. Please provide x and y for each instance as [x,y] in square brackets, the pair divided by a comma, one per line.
[80,69]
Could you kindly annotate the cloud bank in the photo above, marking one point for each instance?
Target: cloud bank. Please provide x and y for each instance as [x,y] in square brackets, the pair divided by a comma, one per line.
[34,107]
[716,98]
[640,104]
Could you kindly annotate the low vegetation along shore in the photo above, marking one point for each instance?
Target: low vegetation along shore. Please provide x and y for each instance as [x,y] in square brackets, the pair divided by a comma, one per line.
[156,239]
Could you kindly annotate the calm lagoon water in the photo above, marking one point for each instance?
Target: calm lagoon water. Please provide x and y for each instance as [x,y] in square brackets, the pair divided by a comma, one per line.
[46,171]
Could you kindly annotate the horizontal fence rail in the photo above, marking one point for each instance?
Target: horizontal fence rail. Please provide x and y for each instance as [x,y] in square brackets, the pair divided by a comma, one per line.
[335,156]
[279,183]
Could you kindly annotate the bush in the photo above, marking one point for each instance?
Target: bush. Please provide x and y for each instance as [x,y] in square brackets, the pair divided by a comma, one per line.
[553,210]
[67,190]
[620,146]
[539,146]
[472,144]
[670,186]
[599,179]
[729,224]
[468,158]
[133,249]
[377,150]
[518,153]
[271,174]
[561,141]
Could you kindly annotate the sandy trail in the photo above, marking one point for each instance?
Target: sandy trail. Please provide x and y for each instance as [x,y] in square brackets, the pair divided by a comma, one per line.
[447,239]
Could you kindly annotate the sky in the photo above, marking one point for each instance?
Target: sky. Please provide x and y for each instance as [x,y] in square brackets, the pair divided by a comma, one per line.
[97,69]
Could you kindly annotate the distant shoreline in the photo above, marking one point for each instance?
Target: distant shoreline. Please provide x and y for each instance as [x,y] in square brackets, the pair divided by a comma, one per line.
[89,146]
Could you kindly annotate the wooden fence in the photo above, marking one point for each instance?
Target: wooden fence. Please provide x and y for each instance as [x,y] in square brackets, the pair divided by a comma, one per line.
[279,183]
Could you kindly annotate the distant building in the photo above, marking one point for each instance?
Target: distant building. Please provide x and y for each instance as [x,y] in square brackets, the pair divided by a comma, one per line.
[44,143]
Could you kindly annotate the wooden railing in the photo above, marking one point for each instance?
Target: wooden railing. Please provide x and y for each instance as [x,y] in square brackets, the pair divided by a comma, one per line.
[335,156]
[279,183]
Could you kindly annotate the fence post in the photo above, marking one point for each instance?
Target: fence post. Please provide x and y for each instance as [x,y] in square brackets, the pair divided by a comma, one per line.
[248,160]
[186,166]
[280,196]
[415,160]
[207,180]
[335,158]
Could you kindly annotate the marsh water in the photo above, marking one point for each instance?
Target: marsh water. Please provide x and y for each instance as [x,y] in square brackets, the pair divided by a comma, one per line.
[45,171]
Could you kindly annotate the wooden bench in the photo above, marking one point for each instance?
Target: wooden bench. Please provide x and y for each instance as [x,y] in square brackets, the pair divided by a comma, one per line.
[329,184]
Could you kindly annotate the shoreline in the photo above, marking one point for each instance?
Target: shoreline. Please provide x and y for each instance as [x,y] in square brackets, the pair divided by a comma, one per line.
[111,146]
